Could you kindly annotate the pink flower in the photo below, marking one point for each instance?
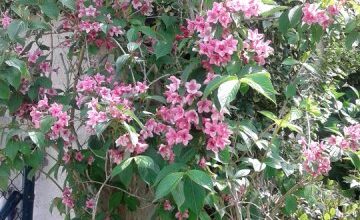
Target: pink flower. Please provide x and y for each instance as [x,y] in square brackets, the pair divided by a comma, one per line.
[90,160]
[115,31]
[316,162]
[182,215]
[202,162]
[78,156]
[166,152]
[248,7]
[33,56]
[171,137]
[167,205]
[109,68]
[90,204]
[67,200]
[45,67]
[116,156]
[184,136]
[204,106]
[123,141]
[6,20]
[66,158]
[192,116]
[192,87]
[333,10]
[90,11]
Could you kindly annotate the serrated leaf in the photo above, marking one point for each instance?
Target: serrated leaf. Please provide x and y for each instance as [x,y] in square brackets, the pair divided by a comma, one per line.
[12,148]
[215,83]
[227,92]
[174,167]
[261,82]
[194,196]
[46,123]
[162,48]
[168,184]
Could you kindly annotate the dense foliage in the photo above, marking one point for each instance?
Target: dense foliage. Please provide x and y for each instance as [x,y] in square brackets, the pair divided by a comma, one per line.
[234,109]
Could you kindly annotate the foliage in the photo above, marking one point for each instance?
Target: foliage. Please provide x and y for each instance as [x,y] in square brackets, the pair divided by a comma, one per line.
[237,109]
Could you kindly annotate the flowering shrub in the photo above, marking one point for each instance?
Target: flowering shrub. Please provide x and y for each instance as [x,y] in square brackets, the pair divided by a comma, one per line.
[236,109]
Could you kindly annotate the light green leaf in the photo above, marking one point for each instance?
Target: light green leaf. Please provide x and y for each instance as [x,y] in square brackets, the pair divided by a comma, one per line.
[290,204]
[178,194]
[18,64]
[134,137]
[50,9]
[227,92]
[215,83]
[270,115]
[295,15]
[174,167]
[290,61]
[273,10]
[38,138]
[261,82]
[46,123]
[12,148]
[242,173]
[69,4]
[168,184]
[355,159]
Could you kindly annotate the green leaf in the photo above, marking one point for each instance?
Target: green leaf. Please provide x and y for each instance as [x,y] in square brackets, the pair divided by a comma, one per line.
[148,31]
[261,82]
[290,61]
[134,137]
[147,168]
[157,98]
[132,46]
[12,148]
[201,178]
[4,90]
[194,196]
[227,92]
[162,48]
[18,64]
[178,194]
[290,204]
[69,4]
[295,15]
[270,115]
[351,38]
[14,102]
[132,35]
[355,159]
[115,200]
[13,76]
[242,173]
[290,91]
[215,83]
[131,114]
[194,64]
[121,167]
[273,10]
[284,23]
[174,167]
[120,62]
[50,9]
[17,27]
[168,184]
[46,123]
[38,138]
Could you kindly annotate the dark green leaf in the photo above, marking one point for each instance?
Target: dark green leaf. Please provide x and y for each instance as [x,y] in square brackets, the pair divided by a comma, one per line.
[50,9]
[4,90]
[174,167]
[121,167]
[290,204]
[201,178]
[162,48]
[12,148]
[168,184]
[69,4]
[18,64]
[194,196]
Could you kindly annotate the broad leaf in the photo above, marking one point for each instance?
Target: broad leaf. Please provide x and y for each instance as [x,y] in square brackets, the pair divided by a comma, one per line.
[227,92]
[168,184]
[215,83]
[201,178]
[261,82]
[121,167]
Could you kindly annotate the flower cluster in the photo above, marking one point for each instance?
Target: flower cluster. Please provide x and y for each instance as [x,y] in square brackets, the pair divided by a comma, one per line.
[350,140]
[177,120]
[313,15]
[256,44]
[144,6]
[67,199]
[317,161]
[219,51]
[61,120]
[6,20]
[107,100]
